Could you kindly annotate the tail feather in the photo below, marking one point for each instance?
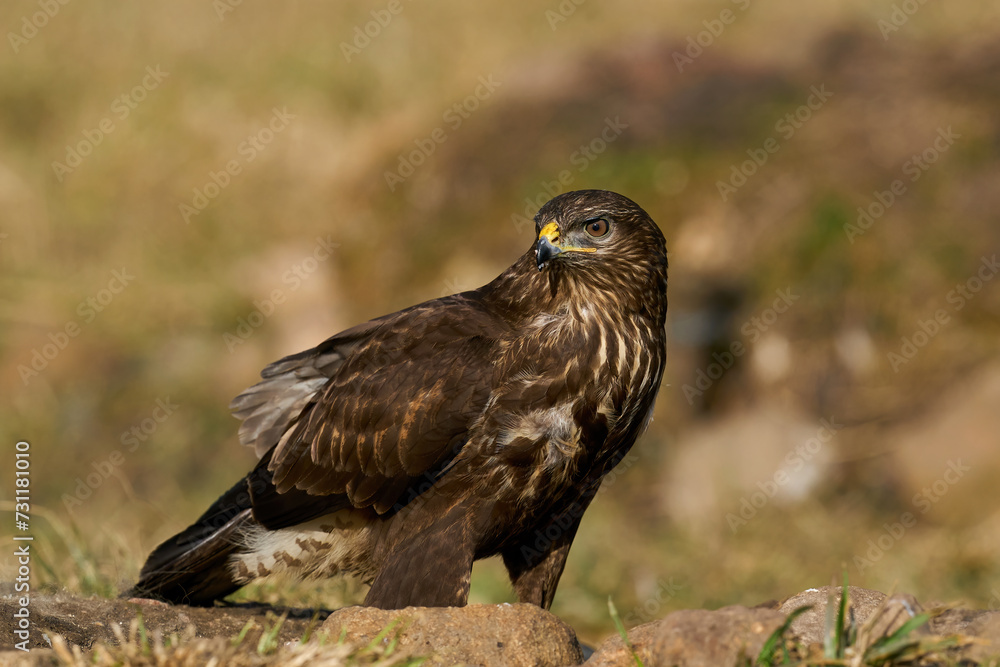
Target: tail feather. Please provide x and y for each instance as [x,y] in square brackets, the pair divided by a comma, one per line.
[192,567]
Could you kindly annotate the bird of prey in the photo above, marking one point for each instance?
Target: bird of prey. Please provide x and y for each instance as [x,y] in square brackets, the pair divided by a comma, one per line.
[481,423]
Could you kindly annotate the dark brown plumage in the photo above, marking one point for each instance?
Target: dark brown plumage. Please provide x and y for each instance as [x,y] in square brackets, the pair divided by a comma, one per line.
[477,424]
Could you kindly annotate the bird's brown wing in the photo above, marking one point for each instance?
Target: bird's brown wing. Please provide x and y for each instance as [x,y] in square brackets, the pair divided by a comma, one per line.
[374,411]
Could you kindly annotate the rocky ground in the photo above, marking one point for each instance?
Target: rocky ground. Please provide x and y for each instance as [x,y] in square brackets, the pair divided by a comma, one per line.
[73,630]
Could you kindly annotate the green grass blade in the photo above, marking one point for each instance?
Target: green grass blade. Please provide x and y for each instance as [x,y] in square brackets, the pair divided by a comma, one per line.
[829,631]
[269,639]
[238,639]
[143,639]
[613,610]
[313,622]
[896,643]
[766,655]
[382,634]
[842,619]
[905,629]
[834,640]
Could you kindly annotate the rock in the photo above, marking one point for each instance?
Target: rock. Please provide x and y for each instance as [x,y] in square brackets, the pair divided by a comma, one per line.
[964,622]
[84,621]
[612,650]
[810,626]
[694,638]
[983,625]
[479,634]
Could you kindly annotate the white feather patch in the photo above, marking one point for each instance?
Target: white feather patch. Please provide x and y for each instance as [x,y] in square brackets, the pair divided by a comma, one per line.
[322,547]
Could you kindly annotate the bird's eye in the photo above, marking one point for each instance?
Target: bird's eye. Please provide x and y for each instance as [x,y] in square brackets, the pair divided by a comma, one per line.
[598,227]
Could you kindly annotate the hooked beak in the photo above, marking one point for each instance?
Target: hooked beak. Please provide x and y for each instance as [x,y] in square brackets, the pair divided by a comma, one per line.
[546,248]
[548,245]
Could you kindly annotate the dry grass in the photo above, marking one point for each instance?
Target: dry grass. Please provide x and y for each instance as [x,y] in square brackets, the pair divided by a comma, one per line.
[137,648]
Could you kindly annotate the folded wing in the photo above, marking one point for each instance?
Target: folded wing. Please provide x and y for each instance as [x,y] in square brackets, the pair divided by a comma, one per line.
[371,412]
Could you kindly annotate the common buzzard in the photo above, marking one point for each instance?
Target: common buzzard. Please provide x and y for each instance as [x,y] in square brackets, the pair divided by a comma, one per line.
[482,423]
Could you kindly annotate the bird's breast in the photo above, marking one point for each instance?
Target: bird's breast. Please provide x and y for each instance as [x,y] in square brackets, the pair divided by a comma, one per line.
[580,394]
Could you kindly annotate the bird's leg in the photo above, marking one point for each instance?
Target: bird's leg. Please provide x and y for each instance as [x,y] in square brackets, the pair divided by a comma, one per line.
[536,583]
[537,561]
[432,568]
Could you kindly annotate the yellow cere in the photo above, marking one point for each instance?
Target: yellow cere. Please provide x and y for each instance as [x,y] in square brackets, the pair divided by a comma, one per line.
[551,232]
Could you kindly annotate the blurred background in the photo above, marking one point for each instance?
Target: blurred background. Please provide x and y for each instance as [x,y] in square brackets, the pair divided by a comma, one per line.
[191,190]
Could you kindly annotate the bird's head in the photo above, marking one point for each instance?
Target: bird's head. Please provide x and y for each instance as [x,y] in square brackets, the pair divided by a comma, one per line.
[595,234]
[591,248]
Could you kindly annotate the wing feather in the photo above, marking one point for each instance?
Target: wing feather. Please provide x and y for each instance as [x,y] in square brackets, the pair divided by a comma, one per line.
[375,409]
